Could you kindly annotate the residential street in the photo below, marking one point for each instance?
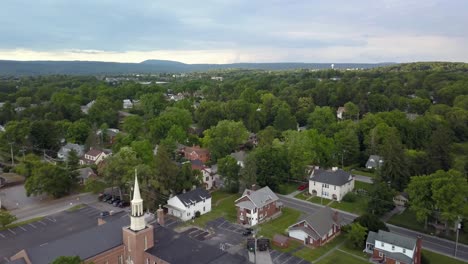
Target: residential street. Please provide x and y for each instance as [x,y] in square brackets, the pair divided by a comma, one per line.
[431,243]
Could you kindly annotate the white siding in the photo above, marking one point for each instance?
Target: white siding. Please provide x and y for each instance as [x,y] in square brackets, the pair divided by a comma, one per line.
[327,191]
[187,213]
[298,234]
[397,249]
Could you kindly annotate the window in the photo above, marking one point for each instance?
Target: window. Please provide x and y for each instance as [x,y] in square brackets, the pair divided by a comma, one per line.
[128,243]
[314,183]
[147,260]
[146,243]
[120,259]
[382,244]
[188,213]
[207,178]
[380,254]
[334,187]
[203,208]
[393,247]
[404,250]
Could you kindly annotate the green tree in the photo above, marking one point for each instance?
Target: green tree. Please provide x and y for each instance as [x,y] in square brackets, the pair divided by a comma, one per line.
[229,171]
[27,165]
[371,222]
[438,149]
[284,120]
[152,104]
[6,218]
[49,179]
[78,132]
[272,166]
[186,178]
[267,135]
[347,145]
[165,173]
[248,173]
[225,137]
[394,169]
[421,199]
[356,235]
[68,260]
[103,111]
[381,199]
[352,111]
[321,119]
[134,125]
[44,135]
[95,186]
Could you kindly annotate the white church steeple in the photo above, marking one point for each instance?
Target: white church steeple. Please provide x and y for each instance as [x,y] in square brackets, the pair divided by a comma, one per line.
[137,219]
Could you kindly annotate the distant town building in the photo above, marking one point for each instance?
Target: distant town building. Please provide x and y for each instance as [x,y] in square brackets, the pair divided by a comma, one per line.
[85,108]
[339,113]
[217,78]
[197,153]
[93,156]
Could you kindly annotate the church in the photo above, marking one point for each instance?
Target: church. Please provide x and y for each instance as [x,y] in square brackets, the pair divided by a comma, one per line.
[116,241]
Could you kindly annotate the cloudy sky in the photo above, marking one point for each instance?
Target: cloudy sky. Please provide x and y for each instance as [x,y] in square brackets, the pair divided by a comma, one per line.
[226,31]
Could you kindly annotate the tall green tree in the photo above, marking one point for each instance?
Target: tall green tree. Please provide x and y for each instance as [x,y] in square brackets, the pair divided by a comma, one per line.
[356,235]
[284,120]
[224,138]
[165,172]
[381,199]
[229,171]
[394,169]
[321,119]
[49,179]
[439,148]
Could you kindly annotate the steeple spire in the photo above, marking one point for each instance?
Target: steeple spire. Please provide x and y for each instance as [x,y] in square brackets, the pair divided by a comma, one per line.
[137,219]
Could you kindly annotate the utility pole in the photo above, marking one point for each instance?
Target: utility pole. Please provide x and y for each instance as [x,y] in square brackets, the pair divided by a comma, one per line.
[321,196]
[458,230]
[11,151]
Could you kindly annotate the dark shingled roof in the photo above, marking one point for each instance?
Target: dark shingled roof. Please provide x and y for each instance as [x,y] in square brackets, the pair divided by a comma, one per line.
[194,196]
[84,244]
[323,220]
[338,177]
[177,248]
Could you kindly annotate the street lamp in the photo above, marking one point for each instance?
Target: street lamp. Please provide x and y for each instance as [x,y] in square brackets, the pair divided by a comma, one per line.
[458,229]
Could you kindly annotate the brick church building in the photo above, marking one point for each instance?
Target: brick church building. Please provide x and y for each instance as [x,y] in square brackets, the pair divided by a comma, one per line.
[119,242]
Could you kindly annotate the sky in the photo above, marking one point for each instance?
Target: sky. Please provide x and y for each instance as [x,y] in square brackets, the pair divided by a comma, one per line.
[229,31]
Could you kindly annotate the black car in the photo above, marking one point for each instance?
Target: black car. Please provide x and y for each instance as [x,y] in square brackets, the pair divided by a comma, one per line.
[112,200]
[107,198]
[123,204]
[116,202]
[247,232]
[104,213]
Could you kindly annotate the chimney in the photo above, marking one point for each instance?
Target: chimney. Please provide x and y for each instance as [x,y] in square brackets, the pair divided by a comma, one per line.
[418,249]
[100,221]
[334,168]
[335,216]
[254,187]
[160,215]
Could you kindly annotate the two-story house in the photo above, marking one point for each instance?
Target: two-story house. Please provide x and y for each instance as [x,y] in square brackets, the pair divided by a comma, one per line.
[93,156]
[210,176]
[65,151]
[330,184]
[374,162]
[186,205]
[257,206]
[317,229]
[391,248]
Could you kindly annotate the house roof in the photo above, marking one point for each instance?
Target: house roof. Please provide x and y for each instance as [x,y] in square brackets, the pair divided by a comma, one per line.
[194,196]
[260,197]
[84,173]
[338,177]
[86,244]
[374,161]
[246,204]
[392,238]
[94,152]
[341,109]
[18,261]
[64,150]
[402,258]
[177,248]
[197,149]
[323,220]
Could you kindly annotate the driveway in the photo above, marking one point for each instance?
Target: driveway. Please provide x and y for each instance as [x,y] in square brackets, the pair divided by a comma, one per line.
[15,197]
[286,258]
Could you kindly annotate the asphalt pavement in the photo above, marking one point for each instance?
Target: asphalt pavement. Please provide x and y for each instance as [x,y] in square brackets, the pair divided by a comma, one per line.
[432,243]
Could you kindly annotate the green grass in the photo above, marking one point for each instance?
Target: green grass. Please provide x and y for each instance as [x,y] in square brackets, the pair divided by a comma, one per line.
[362,185]
[76,207]
[363,173]
[280,224]
[318,200]
[407,219]
[21,223]
[357,207]
[354,251]
[287,188]
[225,208]
[312,254]
[303,195]
[437,258]
[341,257]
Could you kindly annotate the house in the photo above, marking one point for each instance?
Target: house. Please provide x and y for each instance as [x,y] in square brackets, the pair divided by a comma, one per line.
[108,136]
[65,151]
[93,156]
[210,176]
[330,184]
[401,199]
[84,174]
[127,104]
[257,206]
[374,162]
[85,108]
[339,113]
[217,78]
[239,156]
[130,239]
[317,229]
[186,205]
[391,248]
[2,128]
[197,153]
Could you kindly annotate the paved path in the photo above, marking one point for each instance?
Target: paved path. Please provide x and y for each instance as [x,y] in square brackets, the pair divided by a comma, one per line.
[362,178]
[432,243]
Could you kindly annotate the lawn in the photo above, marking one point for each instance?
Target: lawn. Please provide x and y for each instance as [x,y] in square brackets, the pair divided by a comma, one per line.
[358,207]
[280,224]
[407,219]
[225,208]
[76,207]
[318,200]
[341,257]
[362,185]
[363,173]
[288,187]
[21,223]
[437,258]
[312,254]
[303,196]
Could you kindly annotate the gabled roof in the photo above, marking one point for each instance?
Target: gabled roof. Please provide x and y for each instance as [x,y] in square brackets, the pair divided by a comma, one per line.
[197,150]
[374,161]
[79,149]
[239,155]
[336,177]
[392,238]
[94,152]
[260,197]
[194,196]
[323,220]
[86,244]
[84,173]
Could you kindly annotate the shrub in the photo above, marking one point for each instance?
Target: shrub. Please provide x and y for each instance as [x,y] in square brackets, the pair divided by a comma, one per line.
[350,197]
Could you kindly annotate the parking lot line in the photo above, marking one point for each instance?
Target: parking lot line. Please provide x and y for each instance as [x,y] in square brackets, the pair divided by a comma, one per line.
[2,235]
[278,256]
[42,222]
[300,261]
[11,231]
[52,220]
[32,225]
[222,223]
[286,260]
[22,228]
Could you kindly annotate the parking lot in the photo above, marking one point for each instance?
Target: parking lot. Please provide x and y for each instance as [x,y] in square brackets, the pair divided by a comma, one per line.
[223,224]
[171,222]
[196,233]
[285,258]
[47,229]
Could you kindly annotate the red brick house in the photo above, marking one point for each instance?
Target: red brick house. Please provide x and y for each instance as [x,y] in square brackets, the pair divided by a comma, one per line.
[257,206]
[197,153]
[390,248]
[317,229]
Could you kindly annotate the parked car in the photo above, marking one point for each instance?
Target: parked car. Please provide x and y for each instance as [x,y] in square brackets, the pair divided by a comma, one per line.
[112,200]
[116,202]
[247,232]
[303,186]
[104,213]
[123,204]
[107,198]
[103,196]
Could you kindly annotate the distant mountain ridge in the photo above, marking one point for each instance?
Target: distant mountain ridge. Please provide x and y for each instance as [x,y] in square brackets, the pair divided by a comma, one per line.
[21,68]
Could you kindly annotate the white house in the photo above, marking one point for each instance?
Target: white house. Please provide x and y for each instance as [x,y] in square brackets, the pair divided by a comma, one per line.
[186,205]
[339,113]
[331,184]
[374,162]
[65,150]
[93,156]
[210,176]
[85,108]
[127,104]
[387,247]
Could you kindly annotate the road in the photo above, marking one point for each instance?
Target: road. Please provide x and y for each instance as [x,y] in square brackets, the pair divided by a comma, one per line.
[431,243]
